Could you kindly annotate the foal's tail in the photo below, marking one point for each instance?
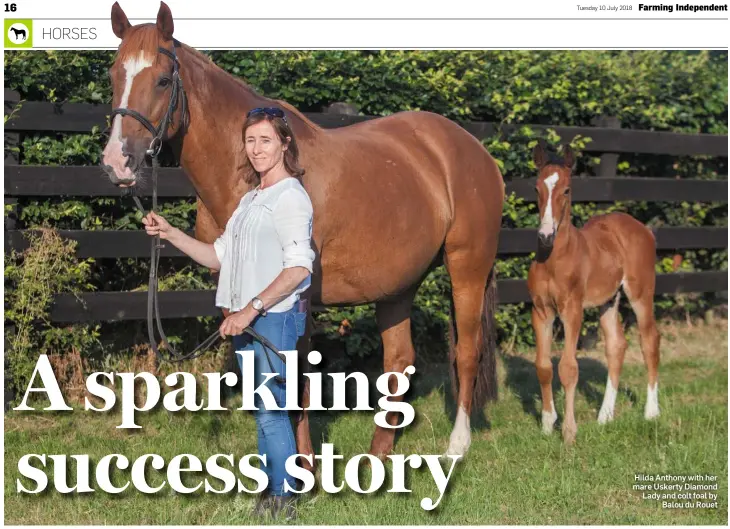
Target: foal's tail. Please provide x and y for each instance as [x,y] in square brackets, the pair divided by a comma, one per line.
[485,388]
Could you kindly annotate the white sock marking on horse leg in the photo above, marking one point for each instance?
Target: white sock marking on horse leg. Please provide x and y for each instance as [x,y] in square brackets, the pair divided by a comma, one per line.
[547,223]
[549,418]
[609,402]
[461,435]
[652,402]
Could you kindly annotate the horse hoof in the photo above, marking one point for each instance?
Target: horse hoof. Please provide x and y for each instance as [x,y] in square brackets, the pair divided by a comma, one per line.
[380,455]
[449,457]
[458,445]
[651,410]
[460,439]
[548,421]
[381,451]
[309,468]
[569,436]
[605,416]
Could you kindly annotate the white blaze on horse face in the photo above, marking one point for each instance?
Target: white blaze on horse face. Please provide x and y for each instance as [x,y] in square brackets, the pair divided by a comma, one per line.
[547,224]
[112,154]
[461,435]
[652,402]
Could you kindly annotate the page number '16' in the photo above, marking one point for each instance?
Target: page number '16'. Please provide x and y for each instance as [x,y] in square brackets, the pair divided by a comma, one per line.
[11,7]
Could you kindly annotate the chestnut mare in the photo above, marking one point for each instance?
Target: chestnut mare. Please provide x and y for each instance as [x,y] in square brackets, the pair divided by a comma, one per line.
[585,268]
[393,198]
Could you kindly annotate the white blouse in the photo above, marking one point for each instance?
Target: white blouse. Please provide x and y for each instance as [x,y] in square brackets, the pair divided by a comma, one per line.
[270,230]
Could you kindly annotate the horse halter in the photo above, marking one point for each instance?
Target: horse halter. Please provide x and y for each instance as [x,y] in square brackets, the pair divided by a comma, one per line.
[177,93]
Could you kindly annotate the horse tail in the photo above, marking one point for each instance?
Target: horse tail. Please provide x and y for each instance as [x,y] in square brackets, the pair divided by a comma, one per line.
[485,388]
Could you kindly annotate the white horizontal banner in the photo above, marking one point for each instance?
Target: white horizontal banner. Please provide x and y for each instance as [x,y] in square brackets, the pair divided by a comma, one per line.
[399,34]
[96,9]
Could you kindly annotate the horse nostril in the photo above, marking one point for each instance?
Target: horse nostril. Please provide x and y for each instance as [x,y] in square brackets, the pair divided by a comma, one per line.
[544,239]
[131,161]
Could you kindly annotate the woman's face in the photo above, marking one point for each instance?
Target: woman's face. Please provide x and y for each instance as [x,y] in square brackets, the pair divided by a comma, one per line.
[263,146]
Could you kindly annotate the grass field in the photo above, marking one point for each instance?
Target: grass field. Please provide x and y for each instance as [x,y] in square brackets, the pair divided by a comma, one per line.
[513,474]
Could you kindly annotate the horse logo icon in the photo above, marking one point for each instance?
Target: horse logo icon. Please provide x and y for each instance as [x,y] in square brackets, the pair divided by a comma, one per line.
[18,34]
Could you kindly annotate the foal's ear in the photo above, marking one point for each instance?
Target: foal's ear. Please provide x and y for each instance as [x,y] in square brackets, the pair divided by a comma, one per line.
[538,154]
[164,21]
[568,157]
[120,22]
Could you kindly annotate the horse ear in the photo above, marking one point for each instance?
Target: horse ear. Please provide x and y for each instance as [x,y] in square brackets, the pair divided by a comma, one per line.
[538,154]
[120,23]
[568,156]
[164,21]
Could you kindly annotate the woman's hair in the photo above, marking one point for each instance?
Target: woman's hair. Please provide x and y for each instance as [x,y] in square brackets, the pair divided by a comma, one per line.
[291,154]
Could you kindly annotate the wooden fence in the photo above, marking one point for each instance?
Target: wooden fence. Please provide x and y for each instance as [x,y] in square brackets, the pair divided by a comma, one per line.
[609,141]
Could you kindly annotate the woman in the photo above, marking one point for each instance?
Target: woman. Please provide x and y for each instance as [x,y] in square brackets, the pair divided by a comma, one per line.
[265,262]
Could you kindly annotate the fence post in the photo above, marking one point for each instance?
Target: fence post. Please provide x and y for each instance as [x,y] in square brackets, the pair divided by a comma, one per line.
[609,161]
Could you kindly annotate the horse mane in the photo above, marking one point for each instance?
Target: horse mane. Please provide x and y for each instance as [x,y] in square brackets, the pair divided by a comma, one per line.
[555,158]
[147,37]
[236,83]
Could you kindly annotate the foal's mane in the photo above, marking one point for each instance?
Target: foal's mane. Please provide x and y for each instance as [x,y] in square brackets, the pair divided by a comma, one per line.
[554,158]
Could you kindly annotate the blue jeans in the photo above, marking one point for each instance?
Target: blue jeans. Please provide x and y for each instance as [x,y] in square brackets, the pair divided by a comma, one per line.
[275,435]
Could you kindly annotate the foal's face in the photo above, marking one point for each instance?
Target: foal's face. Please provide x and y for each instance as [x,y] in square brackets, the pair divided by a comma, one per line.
[553,199]
[553,193]
[141,79]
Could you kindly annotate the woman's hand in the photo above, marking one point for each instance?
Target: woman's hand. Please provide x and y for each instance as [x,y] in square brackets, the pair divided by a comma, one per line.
[234,324]
[156,225]
[200,251]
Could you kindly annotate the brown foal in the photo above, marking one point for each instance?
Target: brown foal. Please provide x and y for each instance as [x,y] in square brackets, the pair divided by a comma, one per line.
[581,268]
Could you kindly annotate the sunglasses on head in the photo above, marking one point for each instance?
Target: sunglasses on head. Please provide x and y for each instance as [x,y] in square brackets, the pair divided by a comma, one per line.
[274,112]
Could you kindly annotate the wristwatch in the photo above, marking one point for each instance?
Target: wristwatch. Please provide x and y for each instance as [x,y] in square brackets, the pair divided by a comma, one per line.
[258,306]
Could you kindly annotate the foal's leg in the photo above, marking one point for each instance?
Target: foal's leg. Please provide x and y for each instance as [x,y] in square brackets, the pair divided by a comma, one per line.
[394,322]
[642,302]
[542,323]
[572,316]
[615,350]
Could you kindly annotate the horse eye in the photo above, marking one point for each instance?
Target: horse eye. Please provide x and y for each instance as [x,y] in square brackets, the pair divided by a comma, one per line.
[164,82]
[567,191]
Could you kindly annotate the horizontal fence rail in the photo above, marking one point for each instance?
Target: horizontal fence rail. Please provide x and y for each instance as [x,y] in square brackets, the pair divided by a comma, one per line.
[90,181]
[520,241]
[118,306]
[82,117]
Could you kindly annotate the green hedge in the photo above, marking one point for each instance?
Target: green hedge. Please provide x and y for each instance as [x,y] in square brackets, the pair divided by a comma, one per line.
[651,90]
